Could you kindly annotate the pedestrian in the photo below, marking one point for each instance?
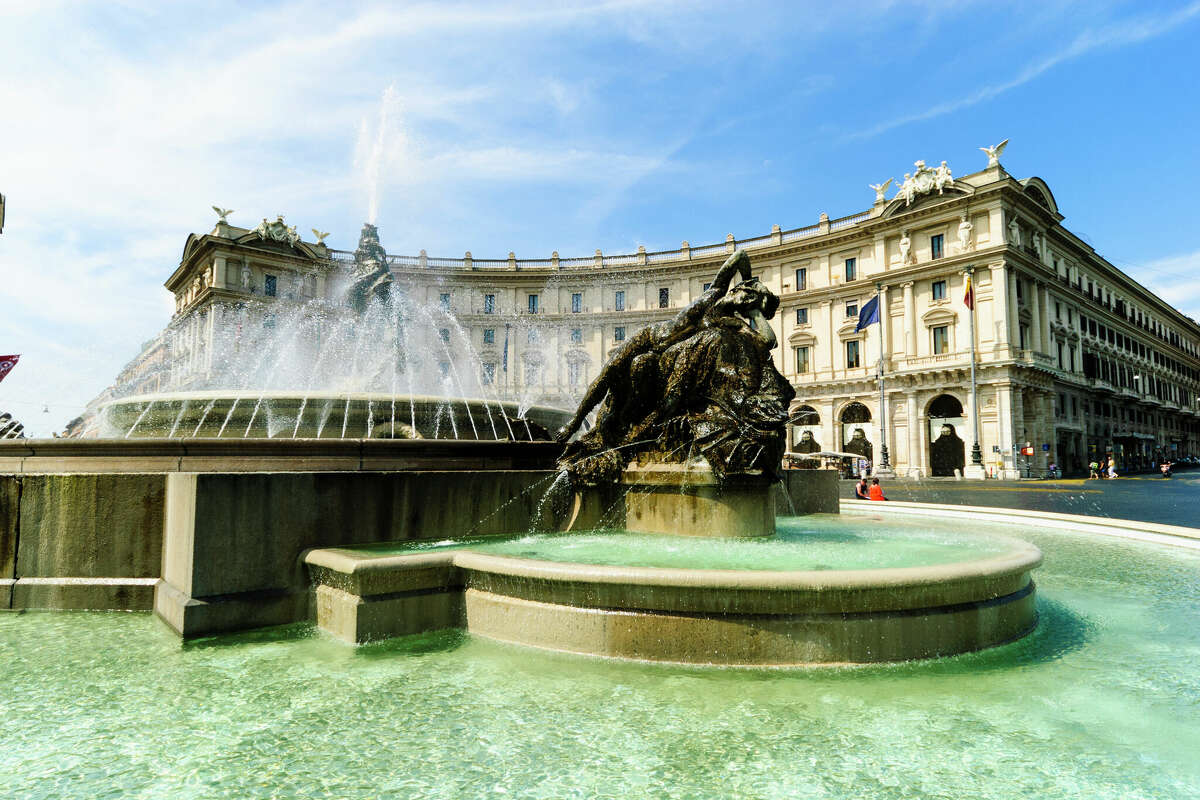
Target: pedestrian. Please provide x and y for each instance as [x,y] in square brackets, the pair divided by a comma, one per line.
[1112,469]
[1165,468]
[861,490]
[876,491]
[1093,468]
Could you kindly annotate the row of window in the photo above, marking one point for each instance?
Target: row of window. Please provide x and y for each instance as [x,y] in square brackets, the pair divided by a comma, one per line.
[533,373]
[940,343]
[533,300]
[937,249]
[532,336]
[939,293]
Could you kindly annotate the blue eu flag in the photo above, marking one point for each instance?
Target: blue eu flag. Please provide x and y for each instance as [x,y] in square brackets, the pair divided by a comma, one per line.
[868,314]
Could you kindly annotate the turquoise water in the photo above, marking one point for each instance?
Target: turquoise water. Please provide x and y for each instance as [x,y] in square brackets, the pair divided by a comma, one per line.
[817,542]
[1102,701]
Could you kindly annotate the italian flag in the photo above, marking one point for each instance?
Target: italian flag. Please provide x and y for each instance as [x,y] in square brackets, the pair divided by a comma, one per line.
[969,295]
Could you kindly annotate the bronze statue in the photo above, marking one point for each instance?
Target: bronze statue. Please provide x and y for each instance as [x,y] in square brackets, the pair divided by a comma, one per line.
[701,385]
[807,443]
[859,444]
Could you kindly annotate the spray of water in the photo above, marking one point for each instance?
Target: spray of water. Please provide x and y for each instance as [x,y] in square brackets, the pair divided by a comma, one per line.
[379,147]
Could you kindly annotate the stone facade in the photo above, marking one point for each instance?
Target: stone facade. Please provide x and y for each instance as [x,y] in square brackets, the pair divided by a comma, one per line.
[1075,360]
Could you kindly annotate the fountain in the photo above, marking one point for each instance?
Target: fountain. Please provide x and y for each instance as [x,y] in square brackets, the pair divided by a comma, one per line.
[366,362]
[687,444]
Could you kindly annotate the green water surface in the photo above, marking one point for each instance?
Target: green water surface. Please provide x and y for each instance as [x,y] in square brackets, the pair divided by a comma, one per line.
[1102,701]
[816,542]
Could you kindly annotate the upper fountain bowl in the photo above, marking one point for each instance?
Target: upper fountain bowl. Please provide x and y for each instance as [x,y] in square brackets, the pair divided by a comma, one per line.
[323,415]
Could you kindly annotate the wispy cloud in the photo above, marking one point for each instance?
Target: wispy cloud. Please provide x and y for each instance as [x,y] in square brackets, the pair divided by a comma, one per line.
[1117,34]
[1175,278]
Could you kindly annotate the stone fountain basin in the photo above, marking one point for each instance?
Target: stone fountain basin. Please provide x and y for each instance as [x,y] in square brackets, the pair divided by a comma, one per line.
[236,414]
[693,616]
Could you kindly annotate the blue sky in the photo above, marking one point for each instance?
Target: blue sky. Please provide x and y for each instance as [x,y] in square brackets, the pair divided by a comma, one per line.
[537,126]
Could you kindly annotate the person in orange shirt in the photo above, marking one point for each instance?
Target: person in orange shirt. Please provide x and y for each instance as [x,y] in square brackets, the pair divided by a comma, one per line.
[876,492]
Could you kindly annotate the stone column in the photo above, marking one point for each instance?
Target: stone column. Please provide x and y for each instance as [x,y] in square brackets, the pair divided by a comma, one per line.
[1014,317]
[1000,305]
[829,426]
[1035,307]
[832,347]
[1019,432]
[1044,301]
[910,321]
[885,321]
[914,435]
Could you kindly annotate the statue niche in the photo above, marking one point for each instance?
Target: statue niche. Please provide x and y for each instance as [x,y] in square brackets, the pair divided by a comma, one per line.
[699,388]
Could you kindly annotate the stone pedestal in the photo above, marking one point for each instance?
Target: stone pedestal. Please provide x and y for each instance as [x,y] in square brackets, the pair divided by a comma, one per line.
[689,501]
[974,472]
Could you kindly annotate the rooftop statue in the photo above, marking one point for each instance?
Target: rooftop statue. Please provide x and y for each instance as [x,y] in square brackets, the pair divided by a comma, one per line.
[702,386]
[372,277]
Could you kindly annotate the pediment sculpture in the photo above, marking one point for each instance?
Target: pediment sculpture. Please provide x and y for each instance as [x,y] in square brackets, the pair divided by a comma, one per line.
[277,231]
[924,181]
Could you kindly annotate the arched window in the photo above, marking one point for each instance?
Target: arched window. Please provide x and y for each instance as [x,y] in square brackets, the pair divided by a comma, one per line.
[856,412]
[945,406]
[806,415]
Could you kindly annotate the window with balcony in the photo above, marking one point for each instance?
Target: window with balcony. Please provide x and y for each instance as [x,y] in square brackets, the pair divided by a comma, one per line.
[489,335]
[619,333]
[664,298]
[576,302]
[533,300]
[936,246]
[851,268]
[852,356]
[941,339]
[444,300]
[801,279]
[619,301]
[851,309]
[802,358]
[802,316]
[489,304]
[939,290]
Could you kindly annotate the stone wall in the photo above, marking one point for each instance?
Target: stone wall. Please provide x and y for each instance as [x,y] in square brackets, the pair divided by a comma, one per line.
[80,541]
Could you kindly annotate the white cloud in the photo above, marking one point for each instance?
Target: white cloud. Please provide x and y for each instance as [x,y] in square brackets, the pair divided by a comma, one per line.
[1119,34]
[1175,279]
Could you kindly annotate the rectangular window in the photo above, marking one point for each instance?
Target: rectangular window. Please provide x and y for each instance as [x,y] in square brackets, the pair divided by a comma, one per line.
[573,373]
[444,299]
[488,375]
[707,286]
[576,302]
[619,333]
[489,335]
[269,284]
[802,359]
[444,334]
[851,309]
[851,355]
[664,298]
[619,301]
[939,290]
[802,316]
[532,374]
[531,336]
[489,304]
[851,268]
[533,303]
[576,335]
[801,279]
[941,339]
[935,246]
[444,367]
[269,321]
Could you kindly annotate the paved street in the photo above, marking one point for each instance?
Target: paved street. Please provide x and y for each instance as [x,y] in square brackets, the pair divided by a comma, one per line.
[1142,497]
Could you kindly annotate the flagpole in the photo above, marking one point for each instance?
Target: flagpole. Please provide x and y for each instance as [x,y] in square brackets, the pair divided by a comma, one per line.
[884,465]
[976,452]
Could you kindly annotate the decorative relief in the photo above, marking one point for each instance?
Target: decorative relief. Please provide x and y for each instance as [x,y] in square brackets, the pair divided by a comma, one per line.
[924,181]
[277,231]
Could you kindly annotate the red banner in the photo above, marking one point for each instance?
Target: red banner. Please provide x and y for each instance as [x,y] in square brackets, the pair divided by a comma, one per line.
[6,364]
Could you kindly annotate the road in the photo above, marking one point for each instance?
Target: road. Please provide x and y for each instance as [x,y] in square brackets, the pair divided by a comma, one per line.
[1174,501]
